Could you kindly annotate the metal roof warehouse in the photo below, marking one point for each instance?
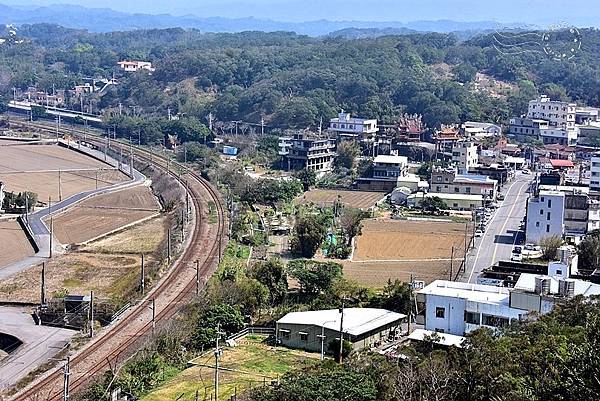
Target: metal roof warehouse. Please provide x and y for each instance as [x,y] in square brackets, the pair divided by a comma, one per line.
[315,330]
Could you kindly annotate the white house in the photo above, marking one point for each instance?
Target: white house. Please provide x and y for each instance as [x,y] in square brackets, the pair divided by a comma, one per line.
[133,66]
[464,155]
[350,127]
[545,215]
[459,308]
[480,130]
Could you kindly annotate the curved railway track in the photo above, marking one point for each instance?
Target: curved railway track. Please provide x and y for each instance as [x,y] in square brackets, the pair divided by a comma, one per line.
[114,344]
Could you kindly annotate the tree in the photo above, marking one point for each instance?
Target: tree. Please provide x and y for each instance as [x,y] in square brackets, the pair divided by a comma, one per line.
[308,178]
[314,276]
[589,251]
[228,318]
[273,275]
[309,234]
[550,245]
[350,222]
[395,297]
[334,348]
[433,204]
[347,152]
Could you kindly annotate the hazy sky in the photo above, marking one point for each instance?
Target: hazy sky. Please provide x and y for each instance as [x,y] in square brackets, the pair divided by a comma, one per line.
[576,12]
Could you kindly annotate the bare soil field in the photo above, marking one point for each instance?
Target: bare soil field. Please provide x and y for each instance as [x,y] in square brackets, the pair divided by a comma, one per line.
[103,214]
[110,266]
[397,249]
[408,240]
[377,274]
[15,245]
[35,168]
[45,185]
[326,197]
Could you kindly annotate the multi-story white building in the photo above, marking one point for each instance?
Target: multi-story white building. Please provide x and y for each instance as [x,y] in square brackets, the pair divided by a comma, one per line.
[387,170]
[459,308]
[557,113]
[464,155]
[1,194]
[595,173]
[348,127]
[545,215]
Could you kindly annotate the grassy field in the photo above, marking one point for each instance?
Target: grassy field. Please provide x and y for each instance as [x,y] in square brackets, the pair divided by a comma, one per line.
[252,363]
[110,266]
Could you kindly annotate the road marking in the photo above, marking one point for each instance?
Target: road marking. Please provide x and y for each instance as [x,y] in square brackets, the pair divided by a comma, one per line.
[504,225]
[486,233]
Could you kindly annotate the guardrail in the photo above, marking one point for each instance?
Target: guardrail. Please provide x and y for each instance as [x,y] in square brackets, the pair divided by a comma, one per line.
[252,330]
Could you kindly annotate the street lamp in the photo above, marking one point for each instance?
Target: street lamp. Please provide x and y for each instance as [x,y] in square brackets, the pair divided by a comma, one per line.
[322,337]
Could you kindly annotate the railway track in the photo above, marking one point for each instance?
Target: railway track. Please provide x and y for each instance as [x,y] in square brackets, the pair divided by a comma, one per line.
[118,341]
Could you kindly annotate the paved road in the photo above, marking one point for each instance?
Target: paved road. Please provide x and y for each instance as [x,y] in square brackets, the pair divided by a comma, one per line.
[500,236]
[40,344]
[41,232]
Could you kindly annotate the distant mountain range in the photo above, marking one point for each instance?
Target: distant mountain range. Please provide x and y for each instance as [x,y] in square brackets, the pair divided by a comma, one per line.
[107,20]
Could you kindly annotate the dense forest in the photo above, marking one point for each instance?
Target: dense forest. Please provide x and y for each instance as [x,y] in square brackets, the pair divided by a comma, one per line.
[293,81]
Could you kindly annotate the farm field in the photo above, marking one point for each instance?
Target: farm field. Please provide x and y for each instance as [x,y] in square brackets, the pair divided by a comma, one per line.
[103,214]
[35,168]
[326,197]
[397,249]
[109,266]
[255,363]
[15,245]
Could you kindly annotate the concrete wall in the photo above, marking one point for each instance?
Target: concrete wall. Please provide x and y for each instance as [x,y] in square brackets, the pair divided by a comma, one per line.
[454,310]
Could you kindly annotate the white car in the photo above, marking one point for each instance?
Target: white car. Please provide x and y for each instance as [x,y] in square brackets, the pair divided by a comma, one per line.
[478,233]
[516,257]
[525,171]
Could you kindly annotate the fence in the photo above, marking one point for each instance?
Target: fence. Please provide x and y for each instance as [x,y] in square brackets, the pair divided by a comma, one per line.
[252,330]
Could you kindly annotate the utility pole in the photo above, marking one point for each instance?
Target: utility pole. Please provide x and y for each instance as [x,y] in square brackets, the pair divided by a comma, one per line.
[262,125]
[66,374]
[410,295]
[51,234]
[96,179]
[131,160]
[105,147]
[342,332]
[153,316]
[142,277]
[451,261]
[59,188]
[217,356]
[197,277]
[169,245]
[43,285]
[91,314]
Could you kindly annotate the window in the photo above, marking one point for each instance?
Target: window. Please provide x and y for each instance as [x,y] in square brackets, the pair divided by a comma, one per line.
[472,318]
[439,331]
[456,189]
[549,202]
[548,216]
[541,212]
[438,188]
[559,272]
[439,178]
[440,313]
[547,228]
[455,205]
[542,199]
[494,321]
[303,336]
[468,190]
[537,223]
[285,334]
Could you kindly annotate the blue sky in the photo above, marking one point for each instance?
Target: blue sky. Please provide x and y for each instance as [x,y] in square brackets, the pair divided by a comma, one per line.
[575,12]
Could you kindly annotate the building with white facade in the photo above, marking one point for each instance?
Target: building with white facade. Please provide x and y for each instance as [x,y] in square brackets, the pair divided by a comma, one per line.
[459,308]
[464,156]
[386,171]
[1,194]
[447,181]
[558,114]
[595,173]
[453,201]
[473,129]
[304,152]
[133,66]
[545,215]
[348,127]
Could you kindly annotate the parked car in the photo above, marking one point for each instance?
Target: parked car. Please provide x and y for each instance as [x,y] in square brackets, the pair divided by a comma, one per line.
[478,233]
[500,197]
[516,257]
[517,250]
[525,171]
